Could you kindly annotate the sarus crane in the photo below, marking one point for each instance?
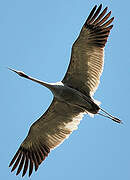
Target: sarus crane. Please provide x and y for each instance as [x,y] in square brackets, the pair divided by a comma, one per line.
[73,96]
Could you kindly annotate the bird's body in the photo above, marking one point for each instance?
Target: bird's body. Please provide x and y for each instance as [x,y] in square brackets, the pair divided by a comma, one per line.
[73,96]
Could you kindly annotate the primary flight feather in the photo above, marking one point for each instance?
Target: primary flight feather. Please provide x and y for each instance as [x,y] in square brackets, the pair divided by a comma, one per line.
[72,96]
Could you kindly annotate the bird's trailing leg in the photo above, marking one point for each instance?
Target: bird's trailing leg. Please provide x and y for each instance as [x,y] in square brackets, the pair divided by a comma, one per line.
[108,115]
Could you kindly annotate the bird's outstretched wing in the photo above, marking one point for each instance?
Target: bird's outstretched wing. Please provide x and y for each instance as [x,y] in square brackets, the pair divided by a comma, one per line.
[87,57]
[50,130]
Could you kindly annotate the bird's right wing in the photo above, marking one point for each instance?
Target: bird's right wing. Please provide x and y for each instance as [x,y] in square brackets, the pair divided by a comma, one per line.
[87,56]
[50,130]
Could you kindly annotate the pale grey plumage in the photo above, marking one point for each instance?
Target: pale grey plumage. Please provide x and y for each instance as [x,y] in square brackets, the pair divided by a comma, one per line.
[72,96]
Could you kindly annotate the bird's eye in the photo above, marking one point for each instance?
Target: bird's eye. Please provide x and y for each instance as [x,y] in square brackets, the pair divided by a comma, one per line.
[23,75]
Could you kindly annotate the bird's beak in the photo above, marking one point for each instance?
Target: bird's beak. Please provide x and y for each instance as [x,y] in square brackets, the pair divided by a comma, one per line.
[13,70]
[20,73]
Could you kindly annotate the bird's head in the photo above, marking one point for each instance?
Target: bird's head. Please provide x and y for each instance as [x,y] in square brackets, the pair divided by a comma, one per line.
[20,73]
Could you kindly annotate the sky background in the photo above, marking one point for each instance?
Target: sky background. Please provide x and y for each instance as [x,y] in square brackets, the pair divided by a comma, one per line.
[36,37]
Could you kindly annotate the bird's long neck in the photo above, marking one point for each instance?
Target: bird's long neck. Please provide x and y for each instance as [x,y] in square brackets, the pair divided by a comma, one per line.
[47,85]
[22,74]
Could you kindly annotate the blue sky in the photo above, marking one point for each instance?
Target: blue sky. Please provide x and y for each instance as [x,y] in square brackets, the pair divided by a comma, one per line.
[36,37]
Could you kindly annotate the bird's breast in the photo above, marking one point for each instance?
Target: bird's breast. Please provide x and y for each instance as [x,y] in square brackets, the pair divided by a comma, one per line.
[76,98]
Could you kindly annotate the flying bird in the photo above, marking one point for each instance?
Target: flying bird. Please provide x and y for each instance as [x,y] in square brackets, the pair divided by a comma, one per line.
[73,96]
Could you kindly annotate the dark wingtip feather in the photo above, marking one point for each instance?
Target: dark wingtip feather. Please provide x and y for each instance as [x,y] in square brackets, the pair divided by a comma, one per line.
[100,5]
[28,158]
[107,23]
[95,14]
[21,164]
[98,26]
[100,16]
[99,8]
[91,14]
[104,19]
[14,158]
[31,164]
[25,165]
[17,162]
[35,161]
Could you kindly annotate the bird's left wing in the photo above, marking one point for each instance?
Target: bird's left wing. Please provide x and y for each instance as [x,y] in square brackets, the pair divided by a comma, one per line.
[87,56]
[50,130]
